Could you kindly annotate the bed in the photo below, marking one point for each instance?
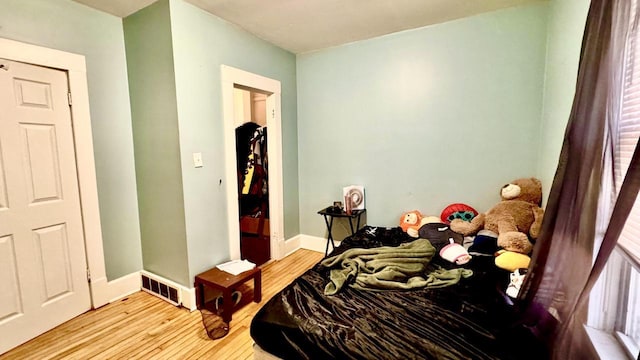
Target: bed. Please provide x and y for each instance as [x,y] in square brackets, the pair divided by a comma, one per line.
[472,319]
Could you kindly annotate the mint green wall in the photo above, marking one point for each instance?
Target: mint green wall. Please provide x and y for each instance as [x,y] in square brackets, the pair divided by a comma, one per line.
[201,43]
[422,118]
[424,102]
[174,53]
[565,29]
[71,27]
[157,143]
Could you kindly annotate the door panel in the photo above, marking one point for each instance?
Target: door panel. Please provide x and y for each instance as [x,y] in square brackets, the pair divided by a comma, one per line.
[42,253]
[53,260]
[3,186]
[41,162]
[10,296]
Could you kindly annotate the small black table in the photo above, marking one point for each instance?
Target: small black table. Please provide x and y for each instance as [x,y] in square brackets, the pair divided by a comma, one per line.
[329,214]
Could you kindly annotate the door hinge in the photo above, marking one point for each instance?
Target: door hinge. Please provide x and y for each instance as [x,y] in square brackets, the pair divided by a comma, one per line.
[69,98]
[88,276]
[273,114]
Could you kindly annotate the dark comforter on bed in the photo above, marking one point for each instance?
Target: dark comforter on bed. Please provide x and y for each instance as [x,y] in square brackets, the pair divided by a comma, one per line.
[470,320]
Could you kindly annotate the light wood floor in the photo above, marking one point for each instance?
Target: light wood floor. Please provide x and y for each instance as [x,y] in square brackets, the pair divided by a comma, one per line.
[143,326]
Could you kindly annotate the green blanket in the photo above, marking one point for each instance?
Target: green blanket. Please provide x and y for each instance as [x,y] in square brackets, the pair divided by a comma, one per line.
[389,267]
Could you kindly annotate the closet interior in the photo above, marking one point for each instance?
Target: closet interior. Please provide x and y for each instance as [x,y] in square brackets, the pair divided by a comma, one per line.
[253,180]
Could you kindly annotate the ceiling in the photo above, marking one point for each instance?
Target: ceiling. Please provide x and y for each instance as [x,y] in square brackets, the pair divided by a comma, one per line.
[306,25]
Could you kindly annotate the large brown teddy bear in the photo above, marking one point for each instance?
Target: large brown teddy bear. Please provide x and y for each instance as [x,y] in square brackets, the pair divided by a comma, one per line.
[516,216]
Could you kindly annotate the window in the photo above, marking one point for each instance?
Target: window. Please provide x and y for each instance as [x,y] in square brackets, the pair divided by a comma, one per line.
[615,302]
[627,325]
[625,311]
[627,138]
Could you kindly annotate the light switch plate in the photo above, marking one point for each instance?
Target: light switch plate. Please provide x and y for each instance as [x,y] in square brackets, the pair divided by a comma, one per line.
[197,160]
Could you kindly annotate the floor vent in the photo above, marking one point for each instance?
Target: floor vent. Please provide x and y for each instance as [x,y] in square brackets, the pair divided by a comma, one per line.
[161,288]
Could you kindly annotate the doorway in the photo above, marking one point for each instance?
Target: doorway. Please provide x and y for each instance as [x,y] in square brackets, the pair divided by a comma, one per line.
[266,92]
[251,133]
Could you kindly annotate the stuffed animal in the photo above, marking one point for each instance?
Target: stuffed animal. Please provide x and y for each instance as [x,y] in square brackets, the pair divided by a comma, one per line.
[439,234]
[517,278]
[412,221]
[516,218]
[458,211]
[511,261]
[455,253]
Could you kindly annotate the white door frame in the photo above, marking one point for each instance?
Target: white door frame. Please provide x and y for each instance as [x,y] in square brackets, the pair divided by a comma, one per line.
[75,67]
[231,77]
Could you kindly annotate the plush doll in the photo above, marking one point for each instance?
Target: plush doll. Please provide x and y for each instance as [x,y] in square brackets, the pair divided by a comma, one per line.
[412,221]
[516,218]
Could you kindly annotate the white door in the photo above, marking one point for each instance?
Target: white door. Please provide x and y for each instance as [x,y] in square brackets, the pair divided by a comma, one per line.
[43,280]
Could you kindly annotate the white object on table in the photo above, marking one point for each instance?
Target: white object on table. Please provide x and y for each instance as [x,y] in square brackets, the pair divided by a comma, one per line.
[235,267]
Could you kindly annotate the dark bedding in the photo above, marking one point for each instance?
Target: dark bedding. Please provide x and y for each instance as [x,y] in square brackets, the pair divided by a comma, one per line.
[472,319]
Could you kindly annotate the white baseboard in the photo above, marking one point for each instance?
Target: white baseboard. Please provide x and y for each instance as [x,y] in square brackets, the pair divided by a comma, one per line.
[291,245]
[315,243]
[104,292]
[309,242]
[188,298]
[124,286]
[129,284]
